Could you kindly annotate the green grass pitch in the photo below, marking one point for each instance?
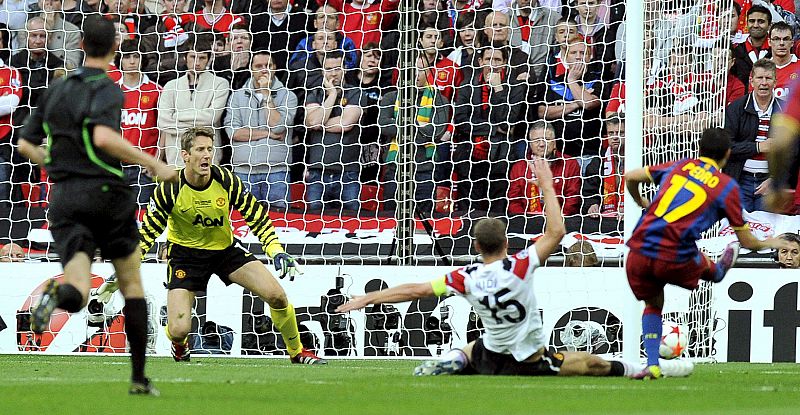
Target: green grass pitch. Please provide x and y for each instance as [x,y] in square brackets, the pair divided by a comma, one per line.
[31,384]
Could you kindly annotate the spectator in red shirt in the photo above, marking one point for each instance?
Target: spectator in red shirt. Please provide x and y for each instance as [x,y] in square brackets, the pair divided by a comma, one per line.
[781,36]
[524,195]
[746,5]
[213,16]
[10,96]
[364,19]
[445,73]
[139,115]
[734,88]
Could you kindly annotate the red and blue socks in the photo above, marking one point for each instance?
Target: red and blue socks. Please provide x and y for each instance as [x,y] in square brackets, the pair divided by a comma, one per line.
[651,333]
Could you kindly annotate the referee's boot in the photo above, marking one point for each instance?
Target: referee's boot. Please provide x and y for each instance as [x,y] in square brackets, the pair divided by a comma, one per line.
[43,309]
[143,388]
[307,357]
[180,351]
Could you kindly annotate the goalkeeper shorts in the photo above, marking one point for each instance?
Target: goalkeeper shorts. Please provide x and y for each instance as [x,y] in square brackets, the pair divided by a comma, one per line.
[191,268]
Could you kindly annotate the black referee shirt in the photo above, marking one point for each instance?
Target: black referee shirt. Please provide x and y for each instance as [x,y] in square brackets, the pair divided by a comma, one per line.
[66,115]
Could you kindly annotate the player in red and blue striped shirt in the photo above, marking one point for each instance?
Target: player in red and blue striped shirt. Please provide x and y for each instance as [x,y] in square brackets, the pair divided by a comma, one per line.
[693,195]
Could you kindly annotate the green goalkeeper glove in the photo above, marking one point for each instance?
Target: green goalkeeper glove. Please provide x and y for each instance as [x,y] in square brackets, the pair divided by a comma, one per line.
[286,265]
[107,289]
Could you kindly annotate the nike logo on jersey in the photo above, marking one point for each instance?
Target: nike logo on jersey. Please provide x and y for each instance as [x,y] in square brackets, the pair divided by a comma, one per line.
[185,210]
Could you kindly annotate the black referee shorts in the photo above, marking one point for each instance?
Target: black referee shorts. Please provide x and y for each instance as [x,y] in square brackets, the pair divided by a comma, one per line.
[88,214]
[191,268]
[486,362]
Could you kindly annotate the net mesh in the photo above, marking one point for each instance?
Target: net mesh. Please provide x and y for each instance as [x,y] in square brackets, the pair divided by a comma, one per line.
[380,131]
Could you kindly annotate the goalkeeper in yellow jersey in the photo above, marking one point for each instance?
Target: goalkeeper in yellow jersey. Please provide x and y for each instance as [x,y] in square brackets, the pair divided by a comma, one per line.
[200,243]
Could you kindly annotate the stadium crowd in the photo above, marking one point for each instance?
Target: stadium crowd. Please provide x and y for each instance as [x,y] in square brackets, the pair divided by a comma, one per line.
[303,96]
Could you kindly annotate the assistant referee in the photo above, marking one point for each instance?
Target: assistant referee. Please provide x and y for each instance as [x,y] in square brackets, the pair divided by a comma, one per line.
[91,207]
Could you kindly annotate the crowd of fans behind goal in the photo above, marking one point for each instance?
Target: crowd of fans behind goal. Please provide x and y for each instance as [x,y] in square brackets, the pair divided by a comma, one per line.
[302,94]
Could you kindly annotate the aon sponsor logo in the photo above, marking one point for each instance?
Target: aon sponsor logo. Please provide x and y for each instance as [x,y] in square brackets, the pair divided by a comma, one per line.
[133,117]
[206,221]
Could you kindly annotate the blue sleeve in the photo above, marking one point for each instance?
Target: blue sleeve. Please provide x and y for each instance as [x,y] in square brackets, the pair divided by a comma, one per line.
[660,171]
[350,55]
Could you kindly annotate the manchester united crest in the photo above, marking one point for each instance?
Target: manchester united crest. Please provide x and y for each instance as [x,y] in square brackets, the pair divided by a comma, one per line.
[180,274]
[145,99]
[372,18]
[220,202]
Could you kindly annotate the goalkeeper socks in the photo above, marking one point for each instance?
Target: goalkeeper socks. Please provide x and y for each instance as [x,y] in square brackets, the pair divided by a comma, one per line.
[651,332]
[69,298]
[285,321]
[135,311]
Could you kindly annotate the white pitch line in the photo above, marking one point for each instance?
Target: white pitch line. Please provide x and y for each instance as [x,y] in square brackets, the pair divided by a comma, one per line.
[530,386]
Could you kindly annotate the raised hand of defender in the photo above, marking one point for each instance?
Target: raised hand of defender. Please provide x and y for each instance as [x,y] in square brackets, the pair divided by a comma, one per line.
[356,303]
[286,265]
[544,177]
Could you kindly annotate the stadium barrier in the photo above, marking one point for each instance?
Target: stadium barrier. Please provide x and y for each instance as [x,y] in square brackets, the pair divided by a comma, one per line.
[752,316]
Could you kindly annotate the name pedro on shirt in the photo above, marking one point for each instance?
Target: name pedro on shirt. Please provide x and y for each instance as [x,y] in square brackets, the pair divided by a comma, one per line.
[704,176]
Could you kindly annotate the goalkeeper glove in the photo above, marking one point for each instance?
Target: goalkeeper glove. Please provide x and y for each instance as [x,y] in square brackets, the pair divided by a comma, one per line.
[286,265]
[106,290]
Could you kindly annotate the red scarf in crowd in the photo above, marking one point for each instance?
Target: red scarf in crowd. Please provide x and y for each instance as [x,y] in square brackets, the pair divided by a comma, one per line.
[613,184]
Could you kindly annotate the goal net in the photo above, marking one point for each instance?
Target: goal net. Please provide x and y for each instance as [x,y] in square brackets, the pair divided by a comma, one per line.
[379,131]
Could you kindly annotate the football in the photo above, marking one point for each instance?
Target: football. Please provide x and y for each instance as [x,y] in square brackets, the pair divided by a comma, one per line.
[674,340]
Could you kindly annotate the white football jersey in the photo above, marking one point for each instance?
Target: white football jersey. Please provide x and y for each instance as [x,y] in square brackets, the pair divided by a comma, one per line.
[502,295]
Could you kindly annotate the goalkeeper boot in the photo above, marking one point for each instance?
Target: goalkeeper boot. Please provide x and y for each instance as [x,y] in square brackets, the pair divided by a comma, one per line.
[676,368]
[41,312]
[651,372]
[180,351]
[143,388]
[727,260]
[307,357]
[439,367]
